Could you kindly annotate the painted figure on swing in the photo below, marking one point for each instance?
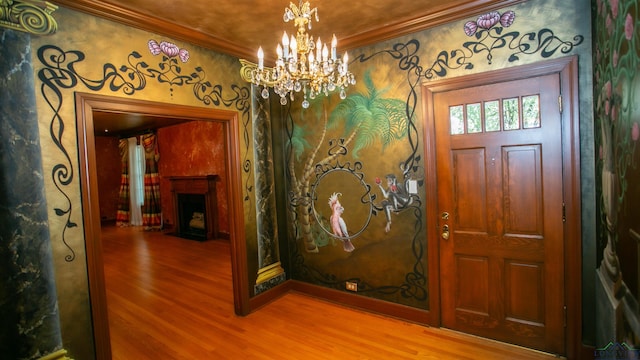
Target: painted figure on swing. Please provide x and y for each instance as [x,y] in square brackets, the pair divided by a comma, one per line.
[396,197]
[338,226]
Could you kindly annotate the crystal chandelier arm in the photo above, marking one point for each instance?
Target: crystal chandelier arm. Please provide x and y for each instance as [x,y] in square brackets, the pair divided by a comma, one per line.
[249,69]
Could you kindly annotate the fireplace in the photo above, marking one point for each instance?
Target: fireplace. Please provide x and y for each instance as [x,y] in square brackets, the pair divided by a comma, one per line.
[195,206]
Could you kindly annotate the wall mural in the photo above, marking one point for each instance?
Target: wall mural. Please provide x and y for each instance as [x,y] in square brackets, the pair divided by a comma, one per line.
[338,198]
[617,115]
[489,33]
[59,72]
[318,190]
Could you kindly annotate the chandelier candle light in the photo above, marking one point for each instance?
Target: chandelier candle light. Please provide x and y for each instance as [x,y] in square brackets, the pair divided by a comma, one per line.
[302,64]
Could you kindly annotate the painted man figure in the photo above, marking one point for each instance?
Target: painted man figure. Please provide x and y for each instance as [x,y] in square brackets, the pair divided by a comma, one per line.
[395,197]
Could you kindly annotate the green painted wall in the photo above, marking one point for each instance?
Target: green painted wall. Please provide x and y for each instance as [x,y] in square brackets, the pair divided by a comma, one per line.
[616,61]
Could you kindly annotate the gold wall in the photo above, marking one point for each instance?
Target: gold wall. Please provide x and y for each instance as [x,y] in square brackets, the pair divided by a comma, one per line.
[91,55]
[103,54]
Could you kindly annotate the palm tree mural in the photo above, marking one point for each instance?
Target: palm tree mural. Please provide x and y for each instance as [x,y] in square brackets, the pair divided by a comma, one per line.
[365,120]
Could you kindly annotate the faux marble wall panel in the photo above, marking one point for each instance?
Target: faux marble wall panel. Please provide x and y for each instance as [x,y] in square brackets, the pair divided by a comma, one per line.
[30,326]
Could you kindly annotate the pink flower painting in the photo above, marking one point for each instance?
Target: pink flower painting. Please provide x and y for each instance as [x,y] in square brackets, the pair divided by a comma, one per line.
[489,20]
[154,48]
[614,8]
[169,49]
[507,18]
[470,28]
[628,27]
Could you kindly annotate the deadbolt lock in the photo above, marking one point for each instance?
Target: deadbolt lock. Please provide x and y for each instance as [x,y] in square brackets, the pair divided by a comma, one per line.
[445,215]
[445,232]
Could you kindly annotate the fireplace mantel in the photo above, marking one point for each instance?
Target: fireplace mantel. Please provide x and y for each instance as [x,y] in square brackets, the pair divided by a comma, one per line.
[202,185]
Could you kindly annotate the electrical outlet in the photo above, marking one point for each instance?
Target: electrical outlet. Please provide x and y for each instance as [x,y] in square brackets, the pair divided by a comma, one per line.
[352,286]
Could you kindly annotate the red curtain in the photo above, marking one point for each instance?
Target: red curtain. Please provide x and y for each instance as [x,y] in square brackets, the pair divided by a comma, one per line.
[151,210]
[122,215]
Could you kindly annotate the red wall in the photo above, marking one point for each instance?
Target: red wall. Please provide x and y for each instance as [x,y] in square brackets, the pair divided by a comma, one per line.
[108,160]
[190,149]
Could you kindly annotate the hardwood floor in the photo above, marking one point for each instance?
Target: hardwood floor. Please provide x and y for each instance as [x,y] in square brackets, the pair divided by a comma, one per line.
[171,298]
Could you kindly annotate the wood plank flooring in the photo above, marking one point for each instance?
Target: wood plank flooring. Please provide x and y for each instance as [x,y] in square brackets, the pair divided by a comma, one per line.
[171,298]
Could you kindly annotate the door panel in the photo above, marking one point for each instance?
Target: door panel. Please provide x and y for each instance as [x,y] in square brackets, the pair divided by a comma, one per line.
[523,189]
[499,176]
[469,184]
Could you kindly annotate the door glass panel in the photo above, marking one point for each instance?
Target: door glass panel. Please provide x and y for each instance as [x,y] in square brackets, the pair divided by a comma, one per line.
[492,115]
[531,111]
[456,119]
[474,120]
[510,114]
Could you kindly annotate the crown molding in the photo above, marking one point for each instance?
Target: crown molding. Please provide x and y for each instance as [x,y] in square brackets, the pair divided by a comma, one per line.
[420,22]
[149,23]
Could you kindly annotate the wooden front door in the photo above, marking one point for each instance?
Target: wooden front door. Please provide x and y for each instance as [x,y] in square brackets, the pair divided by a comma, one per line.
[500,211]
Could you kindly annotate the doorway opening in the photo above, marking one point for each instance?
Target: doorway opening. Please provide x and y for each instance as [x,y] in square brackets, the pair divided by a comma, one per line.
[86,105]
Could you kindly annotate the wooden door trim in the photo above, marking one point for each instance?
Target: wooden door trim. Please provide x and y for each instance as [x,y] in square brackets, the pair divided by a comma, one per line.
[85,105]
[567,68]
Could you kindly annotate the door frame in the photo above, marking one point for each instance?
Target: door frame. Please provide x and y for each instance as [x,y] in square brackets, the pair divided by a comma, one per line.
[567,68]
[86,103]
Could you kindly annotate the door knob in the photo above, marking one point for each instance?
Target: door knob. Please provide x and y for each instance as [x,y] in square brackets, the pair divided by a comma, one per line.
[445,232]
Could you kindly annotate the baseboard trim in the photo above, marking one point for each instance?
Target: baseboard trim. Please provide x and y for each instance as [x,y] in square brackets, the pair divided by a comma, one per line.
[268,296]
[406,313]
[587,351]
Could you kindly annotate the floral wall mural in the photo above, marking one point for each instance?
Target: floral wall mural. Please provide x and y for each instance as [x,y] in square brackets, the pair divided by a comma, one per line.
[355,168]
[617,110]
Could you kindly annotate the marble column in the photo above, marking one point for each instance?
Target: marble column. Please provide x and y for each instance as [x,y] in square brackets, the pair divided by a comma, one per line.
[29,320]
[270,272]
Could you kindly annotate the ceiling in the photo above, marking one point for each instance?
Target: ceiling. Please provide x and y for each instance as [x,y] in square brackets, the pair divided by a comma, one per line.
[107,123]
[239,27]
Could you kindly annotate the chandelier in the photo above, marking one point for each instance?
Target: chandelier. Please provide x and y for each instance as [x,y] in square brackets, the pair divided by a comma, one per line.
[303,65]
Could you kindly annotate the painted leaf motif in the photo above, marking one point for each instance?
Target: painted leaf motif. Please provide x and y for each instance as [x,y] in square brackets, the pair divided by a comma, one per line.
[297,142]
[375,120]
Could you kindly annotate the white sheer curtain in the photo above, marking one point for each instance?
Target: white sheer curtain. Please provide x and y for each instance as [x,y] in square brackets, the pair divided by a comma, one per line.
[136,180]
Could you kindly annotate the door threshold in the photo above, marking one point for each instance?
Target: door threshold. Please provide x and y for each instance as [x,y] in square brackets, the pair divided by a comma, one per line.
[519,347]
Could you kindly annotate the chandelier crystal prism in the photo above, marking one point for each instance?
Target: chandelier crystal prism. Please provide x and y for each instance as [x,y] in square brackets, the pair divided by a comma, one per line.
[304,64]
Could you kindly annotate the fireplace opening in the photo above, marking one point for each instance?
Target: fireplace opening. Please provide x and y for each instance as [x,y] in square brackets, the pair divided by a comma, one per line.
[195,206]
[192,216]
